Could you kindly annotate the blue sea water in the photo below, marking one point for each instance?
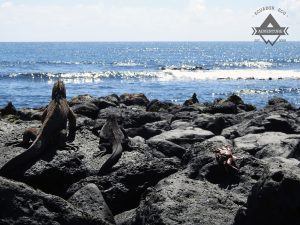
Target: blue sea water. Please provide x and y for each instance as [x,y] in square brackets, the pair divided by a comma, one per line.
[162,70]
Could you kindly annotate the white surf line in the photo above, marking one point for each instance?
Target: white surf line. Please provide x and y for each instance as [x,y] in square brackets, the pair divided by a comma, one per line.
[169,75]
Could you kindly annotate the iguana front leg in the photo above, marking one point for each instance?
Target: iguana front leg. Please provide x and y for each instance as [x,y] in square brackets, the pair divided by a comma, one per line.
[29,135]
[62,142]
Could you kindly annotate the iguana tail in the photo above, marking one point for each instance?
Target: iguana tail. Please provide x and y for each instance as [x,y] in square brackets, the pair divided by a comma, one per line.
[113,159]
[16,164]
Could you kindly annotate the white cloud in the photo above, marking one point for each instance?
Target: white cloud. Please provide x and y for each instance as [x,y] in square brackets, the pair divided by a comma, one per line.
[7,4]
[290,4]
[197,6]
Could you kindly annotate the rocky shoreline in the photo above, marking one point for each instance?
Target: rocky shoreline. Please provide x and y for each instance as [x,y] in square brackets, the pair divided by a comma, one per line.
[169,173]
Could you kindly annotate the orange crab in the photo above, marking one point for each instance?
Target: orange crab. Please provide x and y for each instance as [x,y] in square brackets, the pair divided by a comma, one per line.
[225,157]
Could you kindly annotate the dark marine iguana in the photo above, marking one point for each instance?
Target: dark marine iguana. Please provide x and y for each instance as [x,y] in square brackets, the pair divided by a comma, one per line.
[52,131]
[112,138]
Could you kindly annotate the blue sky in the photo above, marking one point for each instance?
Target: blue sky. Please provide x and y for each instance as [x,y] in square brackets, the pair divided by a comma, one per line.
[139,20]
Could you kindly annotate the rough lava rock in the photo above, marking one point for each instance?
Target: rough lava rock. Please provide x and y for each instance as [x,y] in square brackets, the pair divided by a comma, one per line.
[9,109]
[275,198]
[181,200]
[90,200]
[270,144]
[133,174]
[20,204]
[86,109]
[134,99]
[168,173]
[158,106]
[187,135]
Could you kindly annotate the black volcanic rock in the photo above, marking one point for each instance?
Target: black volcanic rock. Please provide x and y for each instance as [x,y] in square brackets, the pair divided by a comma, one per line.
[158,106]
[231,105]
[134,99]
[143,131]
[168,173]
[86,109]
[181,200]
[275,198]
[90,200]
[81,99]
[9,109]
[20,204]
[280,103]
[133,174]
[31,114]
[62,169]
[270,144]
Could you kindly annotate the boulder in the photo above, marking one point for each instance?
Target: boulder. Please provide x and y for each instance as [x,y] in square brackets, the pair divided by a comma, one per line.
[159,125]
[136,119]
[168,148]
[180,124]
[264,120]
[126,218]
[282,122]
[134,99]
[55,173]
[20,204]
[158,106]
[113,98]
[9,109]
[90,200]
[143,131]
[275,198]
[202,165]
[269,144]
[31,114]
[130,177]
[224,107]
[86,109]
[101,103]
[231,105]
[181,200]
[278,102]
[187,116]
[81,99]
[215,123]
[187,135]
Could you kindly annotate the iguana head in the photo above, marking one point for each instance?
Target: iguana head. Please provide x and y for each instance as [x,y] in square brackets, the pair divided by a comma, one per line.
[58,90]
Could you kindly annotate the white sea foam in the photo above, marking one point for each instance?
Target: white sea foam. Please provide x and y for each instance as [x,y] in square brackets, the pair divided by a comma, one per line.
[249,64]
[127,64]
[173,75]
[169,75]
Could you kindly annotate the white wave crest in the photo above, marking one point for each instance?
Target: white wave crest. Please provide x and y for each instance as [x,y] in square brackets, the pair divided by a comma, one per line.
[249,64]
[229,74]
[172,75]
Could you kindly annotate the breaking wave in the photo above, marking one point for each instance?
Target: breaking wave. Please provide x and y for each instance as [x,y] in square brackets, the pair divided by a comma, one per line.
[170,75]
[248,64]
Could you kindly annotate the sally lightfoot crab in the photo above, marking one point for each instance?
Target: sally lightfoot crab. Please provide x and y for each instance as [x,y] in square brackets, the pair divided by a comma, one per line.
[225,157]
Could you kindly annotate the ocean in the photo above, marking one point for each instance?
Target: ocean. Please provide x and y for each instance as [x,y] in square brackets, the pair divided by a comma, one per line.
[170,71]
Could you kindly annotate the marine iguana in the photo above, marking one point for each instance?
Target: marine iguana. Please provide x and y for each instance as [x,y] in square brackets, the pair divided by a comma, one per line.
[52,132]
[112,137]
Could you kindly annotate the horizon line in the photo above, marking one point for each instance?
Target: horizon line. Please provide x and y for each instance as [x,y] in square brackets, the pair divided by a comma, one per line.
[140,41]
